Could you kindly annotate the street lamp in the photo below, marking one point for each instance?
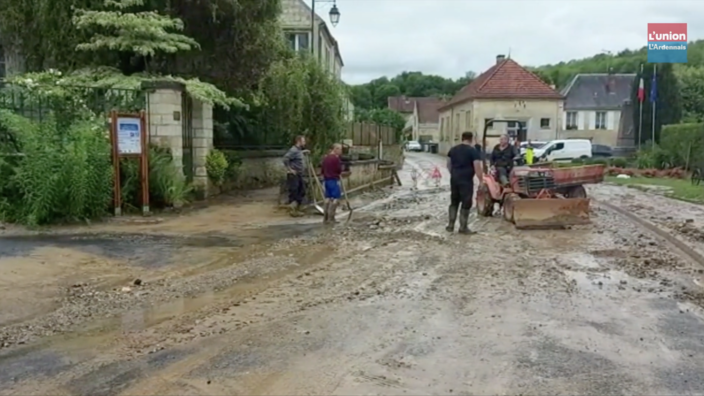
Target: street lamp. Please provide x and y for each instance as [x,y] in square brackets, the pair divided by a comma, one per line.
[334,18]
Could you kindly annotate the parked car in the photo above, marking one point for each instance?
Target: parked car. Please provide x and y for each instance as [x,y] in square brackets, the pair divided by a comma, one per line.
[601,151]
[534,144]
[413,146]
[564,150]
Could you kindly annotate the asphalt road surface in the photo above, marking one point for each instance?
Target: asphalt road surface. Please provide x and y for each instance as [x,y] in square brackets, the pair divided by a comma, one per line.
[389,304]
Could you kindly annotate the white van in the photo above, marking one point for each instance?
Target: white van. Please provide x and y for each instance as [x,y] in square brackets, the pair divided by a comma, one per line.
[564,150]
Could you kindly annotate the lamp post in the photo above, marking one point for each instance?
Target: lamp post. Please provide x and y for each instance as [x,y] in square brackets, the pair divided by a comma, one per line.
[334,19]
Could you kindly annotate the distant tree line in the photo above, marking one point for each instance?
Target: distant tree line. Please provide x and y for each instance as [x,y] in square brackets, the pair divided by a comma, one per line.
[680,86]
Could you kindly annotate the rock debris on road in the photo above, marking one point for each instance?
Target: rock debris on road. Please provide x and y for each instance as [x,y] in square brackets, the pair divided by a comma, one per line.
[388,304]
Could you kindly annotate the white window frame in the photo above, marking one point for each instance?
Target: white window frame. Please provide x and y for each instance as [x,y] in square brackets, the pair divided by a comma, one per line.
[571,125]
[600,120]
[297,40]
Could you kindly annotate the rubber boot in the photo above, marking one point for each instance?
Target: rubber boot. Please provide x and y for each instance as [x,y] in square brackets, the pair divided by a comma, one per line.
[464,219]
[326,212]
[294,210]
[452,219]
[333,211]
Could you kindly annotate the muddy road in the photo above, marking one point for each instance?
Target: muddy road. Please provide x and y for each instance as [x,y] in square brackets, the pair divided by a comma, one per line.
[388,304]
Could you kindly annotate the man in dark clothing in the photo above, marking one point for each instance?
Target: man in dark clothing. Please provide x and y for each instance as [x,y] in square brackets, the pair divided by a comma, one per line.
[502,158]
[463,162]
[332,171]
[294,161]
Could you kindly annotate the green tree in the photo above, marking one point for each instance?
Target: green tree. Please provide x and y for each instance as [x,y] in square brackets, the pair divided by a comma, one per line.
[386,117]
[691,81]
[143,33]
[375,94]
[668,109]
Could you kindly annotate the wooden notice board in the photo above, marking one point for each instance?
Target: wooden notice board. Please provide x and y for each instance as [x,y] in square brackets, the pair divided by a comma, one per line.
[128,135]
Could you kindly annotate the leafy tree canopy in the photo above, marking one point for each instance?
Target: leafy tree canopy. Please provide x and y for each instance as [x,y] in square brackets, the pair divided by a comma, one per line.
[374,94]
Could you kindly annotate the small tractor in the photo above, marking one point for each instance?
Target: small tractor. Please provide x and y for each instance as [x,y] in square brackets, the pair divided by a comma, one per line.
[537,196]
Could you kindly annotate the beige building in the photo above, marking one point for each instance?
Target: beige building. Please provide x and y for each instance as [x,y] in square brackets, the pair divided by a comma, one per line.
[505,91]
[594,105]
[422,117]
[315,38]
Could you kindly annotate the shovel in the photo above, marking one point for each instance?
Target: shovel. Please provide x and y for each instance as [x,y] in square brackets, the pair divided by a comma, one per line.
[312,175]
[347,201]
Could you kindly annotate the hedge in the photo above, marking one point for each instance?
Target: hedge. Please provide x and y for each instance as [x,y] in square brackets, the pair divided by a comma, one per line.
[683,144]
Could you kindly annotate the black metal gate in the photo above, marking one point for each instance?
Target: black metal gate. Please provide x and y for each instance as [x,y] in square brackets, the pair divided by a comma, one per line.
[187,122]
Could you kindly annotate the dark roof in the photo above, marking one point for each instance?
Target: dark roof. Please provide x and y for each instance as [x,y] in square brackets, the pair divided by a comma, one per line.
[598,91]
[402,104]
[428,110]
[505,80]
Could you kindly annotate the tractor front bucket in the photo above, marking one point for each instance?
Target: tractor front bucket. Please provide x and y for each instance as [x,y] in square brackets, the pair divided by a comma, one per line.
[550,213]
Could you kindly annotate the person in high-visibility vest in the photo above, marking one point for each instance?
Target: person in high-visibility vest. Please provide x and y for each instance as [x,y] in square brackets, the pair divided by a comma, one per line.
[529,154]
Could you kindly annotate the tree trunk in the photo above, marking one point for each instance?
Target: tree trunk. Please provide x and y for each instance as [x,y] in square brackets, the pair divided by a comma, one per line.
[14,61]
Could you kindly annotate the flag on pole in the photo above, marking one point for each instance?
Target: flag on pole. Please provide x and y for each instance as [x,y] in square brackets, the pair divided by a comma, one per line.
[641,90]
[654,86]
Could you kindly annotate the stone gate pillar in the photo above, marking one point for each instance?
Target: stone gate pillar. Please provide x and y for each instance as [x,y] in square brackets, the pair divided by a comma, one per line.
[202,144]
[165,116]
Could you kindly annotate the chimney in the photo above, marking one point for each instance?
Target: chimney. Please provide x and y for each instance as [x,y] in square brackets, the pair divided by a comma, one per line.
[500,58]
[553,86]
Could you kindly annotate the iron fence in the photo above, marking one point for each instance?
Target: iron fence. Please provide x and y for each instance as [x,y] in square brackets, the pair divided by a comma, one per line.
[39,101]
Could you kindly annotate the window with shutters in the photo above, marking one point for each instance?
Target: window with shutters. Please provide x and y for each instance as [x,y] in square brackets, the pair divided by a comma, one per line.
[600,121]
[571,120]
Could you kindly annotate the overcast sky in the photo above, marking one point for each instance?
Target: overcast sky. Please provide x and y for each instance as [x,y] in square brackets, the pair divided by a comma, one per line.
[450,37]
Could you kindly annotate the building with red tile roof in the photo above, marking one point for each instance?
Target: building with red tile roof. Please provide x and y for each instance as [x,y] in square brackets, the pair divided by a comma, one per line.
[506,90]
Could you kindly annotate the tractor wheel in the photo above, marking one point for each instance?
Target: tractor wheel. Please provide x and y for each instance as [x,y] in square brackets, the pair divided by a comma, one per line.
[576,192]
[508,207]
[485,204]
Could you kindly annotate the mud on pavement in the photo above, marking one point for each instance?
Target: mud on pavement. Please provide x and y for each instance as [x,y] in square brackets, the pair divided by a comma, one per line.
[389,304]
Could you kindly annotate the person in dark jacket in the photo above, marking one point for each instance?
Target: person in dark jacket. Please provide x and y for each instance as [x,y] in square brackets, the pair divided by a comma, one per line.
[502,158]
[464,163]
[294,161]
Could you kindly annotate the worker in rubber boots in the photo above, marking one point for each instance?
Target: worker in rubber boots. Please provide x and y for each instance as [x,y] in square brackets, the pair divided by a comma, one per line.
[332,173]
[502,158]
[294,161]
[463,162]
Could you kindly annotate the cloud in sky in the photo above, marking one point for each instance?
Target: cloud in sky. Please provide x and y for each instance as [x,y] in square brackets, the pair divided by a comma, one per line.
[451,37]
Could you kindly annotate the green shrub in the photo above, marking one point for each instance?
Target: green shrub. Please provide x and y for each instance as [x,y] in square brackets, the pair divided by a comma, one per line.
[216,166]
[53,171]
[234,161]
[683,144]
[167,185]
[653,157]
[618,162]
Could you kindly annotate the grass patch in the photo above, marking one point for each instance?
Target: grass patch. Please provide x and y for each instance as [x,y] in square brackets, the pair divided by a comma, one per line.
[681,189]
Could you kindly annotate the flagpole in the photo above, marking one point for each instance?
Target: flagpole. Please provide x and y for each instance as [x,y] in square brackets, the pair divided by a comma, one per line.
[640,101]
[655,103]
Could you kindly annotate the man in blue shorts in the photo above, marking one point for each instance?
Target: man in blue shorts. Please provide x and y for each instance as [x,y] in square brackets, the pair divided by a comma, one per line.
[332,171]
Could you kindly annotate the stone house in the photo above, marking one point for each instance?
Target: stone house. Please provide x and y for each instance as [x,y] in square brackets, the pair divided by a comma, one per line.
[422,117]
[402,104]
[506,90]
[594,104]
[314,38]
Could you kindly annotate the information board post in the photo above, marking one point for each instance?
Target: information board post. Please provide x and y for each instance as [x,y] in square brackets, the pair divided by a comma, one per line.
[128,135]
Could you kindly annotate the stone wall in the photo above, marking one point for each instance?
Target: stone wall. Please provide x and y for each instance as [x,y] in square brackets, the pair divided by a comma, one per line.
[362,173]
[259,169]
[393,153]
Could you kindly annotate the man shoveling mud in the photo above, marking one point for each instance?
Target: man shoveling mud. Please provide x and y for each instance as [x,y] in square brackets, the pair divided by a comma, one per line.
[294,162]
[332,172]
[464,163]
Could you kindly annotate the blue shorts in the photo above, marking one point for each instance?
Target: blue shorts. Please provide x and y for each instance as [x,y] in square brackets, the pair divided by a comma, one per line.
[332,189]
